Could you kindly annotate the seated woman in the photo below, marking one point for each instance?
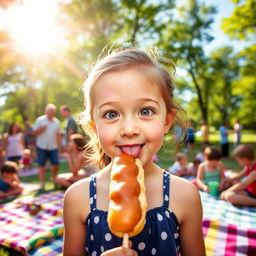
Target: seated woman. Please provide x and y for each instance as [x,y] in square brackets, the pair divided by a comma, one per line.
[77,162]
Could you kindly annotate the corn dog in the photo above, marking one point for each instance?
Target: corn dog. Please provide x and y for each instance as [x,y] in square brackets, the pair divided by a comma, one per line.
[127,208]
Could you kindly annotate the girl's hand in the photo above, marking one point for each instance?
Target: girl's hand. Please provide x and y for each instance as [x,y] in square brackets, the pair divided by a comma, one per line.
[120,251]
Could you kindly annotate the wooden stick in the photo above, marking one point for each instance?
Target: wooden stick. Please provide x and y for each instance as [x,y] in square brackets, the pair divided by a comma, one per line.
[126,240]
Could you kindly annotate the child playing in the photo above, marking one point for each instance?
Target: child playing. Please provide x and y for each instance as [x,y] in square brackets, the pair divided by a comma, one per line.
[9,180]
[211,170]
[179,167]
[193,166]
[129,108]
[77,162]
[244,192]
[26,159]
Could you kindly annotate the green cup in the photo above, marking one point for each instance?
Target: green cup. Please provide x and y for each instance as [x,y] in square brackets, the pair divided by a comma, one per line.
[214,187]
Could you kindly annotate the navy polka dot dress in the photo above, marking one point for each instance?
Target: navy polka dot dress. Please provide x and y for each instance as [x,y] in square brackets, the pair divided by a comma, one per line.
[160,235]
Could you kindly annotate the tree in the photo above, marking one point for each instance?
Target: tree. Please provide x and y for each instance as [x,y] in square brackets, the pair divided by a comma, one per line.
[241,25]
[186,36]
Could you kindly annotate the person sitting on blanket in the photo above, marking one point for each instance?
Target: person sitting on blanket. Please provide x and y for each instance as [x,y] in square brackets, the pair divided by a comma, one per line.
[212,169]
[243,193]
[180,167]
[9,181]
[77,161]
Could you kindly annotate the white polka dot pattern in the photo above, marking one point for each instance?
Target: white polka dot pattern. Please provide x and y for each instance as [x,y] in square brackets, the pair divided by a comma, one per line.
[164,235]
[141,246]
[96,219]
[153,251]
[159,237]
[159,217]
[108,237]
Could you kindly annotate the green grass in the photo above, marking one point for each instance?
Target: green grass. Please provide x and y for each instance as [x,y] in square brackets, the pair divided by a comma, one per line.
[48,184]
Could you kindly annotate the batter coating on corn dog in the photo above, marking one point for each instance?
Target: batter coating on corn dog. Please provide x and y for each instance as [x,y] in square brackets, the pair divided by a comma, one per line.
[127,208]
[129,109]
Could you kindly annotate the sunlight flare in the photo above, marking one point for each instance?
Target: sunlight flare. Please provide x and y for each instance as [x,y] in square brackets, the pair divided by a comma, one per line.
[33,26]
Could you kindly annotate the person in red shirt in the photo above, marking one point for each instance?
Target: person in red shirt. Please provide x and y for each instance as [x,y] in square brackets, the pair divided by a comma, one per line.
[243,192]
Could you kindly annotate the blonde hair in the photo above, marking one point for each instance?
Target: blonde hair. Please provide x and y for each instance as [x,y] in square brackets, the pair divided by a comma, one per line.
[118,61]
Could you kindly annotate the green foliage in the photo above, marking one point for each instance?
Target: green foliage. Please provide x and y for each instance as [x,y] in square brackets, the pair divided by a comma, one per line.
[221,85]
[242,23]
[186,36]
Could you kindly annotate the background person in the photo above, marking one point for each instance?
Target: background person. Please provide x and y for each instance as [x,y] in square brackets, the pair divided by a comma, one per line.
[9,181]
[30,140]
[243,193]
[77,161]
[71,125]
[48,140]
[224,140]
[211,170]
[237,133]
[205,132]
[14,143]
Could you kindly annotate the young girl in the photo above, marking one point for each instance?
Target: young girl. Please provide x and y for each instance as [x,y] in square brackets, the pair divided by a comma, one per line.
[77,162]
[244,192]
[211,170]
[14,143]
[129,108]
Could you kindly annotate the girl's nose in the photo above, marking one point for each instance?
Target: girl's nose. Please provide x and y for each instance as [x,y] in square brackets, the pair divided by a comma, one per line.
[129,127]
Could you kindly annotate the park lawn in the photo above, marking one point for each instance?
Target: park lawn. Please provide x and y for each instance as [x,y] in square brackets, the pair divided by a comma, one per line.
[48,184]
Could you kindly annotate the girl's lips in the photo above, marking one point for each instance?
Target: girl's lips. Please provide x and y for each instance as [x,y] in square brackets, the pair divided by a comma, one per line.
[132,150]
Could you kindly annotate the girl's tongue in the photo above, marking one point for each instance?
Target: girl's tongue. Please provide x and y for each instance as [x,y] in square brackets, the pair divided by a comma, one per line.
[132,150]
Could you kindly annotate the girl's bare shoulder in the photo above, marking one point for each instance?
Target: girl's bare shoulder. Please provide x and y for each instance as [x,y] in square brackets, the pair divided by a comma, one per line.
[181,187]
[78,194]
[184,196]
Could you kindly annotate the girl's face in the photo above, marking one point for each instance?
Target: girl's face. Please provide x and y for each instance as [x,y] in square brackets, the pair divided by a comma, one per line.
[129,114]
[15,127]
[213,163]
[242,161]
[183,161]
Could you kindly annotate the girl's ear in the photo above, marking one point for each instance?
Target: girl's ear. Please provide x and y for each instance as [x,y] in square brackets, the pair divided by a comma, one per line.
[169,120]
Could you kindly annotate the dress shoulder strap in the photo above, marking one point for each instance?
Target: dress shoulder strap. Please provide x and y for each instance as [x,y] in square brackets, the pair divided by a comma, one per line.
[92,192]
[166,188]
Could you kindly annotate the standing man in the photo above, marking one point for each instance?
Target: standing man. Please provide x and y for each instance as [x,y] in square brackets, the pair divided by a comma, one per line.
[71,125]
[47,130]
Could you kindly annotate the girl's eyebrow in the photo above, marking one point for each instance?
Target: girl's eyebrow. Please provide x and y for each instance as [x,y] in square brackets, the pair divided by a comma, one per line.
[142,100]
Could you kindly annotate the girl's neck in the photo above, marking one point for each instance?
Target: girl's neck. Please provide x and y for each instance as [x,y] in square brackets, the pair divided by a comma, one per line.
[211,164]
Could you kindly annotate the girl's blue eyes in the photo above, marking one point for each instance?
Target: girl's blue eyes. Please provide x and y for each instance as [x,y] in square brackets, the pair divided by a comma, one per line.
[143,112]
[146,112]
[111,114]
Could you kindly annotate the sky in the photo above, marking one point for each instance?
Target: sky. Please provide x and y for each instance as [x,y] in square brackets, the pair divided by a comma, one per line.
[225,9]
